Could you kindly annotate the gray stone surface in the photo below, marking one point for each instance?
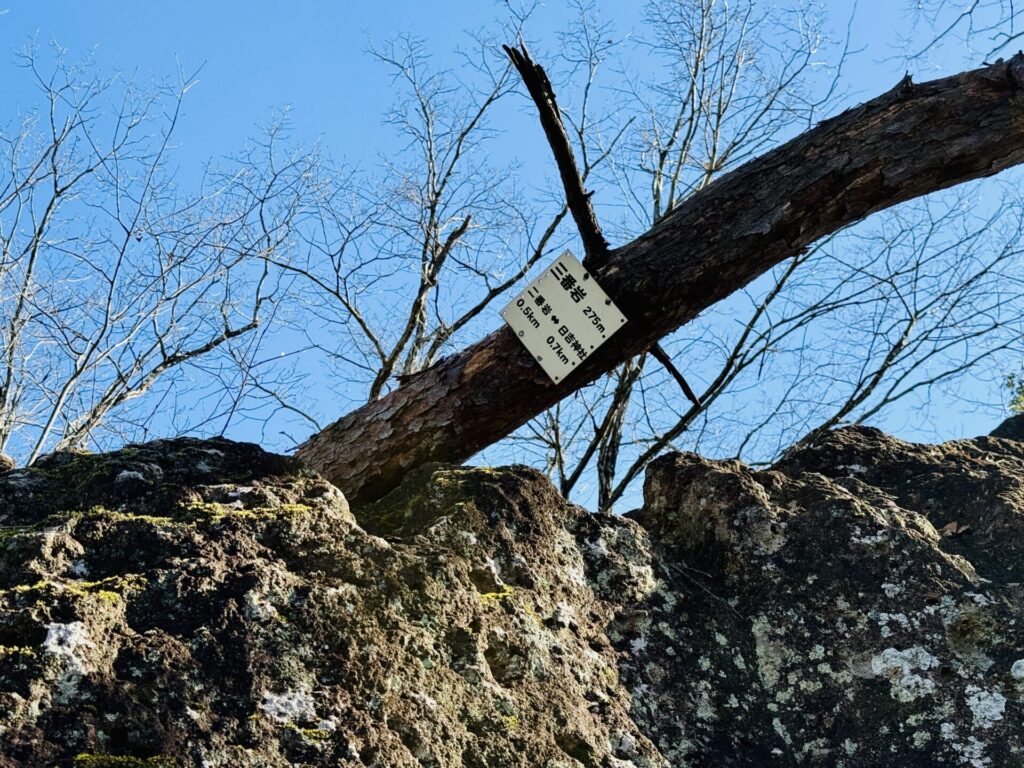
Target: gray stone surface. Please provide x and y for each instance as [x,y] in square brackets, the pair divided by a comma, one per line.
[204,603]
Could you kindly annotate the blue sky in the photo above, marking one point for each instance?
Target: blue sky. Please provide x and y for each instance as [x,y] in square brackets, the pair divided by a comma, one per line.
[257,57]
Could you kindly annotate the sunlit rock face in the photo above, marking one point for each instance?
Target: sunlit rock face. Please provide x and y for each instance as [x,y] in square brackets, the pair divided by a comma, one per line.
[204,603]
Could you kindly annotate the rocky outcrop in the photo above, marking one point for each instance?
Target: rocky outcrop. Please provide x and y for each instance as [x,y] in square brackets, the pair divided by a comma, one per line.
[204,603]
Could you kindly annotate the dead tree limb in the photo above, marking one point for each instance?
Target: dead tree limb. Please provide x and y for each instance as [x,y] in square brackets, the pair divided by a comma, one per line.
[903,144]
[576,197]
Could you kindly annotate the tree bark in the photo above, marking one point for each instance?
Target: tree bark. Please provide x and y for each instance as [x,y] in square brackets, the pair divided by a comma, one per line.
[915,139]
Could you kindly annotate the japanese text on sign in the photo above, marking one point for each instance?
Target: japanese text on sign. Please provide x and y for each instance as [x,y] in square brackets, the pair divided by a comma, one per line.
[562,317]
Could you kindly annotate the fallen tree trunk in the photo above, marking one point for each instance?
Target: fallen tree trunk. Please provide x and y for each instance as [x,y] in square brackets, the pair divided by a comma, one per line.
[915,139]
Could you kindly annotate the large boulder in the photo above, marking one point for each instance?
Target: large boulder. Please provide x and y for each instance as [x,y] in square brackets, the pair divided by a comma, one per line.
[204,603]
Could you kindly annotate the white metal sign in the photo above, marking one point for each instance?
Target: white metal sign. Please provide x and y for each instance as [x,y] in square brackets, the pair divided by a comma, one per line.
[562,317]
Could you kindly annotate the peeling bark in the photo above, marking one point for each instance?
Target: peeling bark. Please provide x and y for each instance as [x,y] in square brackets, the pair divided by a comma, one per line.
[915,139]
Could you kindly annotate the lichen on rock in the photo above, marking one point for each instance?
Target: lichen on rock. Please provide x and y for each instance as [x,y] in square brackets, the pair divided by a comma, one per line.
[206,603]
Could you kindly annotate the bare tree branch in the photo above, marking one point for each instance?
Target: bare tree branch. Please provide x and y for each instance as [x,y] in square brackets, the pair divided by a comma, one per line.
[900,145]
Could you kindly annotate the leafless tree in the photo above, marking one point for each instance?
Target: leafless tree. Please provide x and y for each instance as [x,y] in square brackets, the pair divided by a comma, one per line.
[113,283]
[838,334]
[401,264]
[725,237]
[116,287]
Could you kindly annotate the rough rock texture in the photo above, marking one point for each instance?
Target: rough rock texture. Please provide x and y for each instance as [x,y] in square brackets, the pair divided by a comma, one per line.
[203,603]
